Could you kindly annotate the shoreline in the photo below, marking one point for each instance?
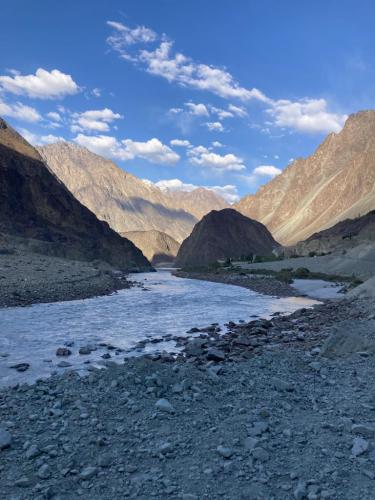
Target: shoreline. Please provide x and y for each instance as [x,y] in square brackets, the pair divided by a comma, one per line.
[27,278]
[264,285]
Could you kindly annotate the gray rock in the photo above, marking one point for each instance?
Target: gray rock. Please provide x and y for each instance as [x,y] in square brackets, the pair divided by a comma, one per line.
[63,351]
[85,350]
[250,443]
[360,446]
[88,473]
[63,364]
[44,472]
[214,354]
[300,491]
[224,451]
[164,405]
[5,439]
[21,367]
[32,452]
[363,430]
[281,385]
[258,428]
[260,454]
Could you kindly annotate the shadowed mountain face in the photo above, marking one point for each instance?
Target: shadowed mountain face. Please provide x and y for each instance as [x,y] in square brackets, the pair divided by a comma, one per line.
[36,207]
[343,235]
[121,199]
[224,234]
[335,183]
[158,247]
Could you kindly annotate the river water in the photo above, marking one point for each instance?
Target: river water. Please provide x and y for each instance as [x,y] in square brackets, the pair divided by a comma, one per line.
[169,305]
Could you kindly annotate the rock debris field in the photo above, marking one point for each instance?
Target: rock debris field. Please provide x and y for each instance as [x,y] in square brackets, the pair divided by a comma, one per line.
[293,417]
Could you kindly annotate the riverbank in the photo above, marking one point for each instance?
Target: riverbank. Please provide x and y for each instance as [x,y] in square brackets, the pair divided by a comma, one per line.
[260,284]
[30,278]
[286,424]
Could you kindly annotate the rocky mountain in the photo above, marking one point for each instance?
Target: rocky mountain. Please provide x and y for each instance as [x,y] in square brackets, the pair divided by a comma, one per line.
[37,210]
[335,183]
[158,247]
[124,201]
[346,234]
[198,202]
[224,234]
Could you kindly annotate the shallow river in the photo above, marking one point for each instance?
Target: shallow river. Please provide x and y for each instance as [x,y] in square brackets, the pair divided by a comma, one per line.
[169,306]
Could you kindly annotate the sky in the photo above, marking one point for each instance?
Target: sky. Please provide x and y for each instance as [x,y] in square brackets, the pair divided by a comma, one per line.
[187,93]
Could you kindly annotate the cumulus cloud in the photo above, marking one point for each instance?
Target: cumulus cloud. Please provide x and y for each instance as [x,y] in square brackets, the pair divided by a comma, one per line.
[153,150]
[43,85]
[307,115]
[174,66]
[19,111]
[222,163]
[217,144]
[97,120]
[180,143]
[197,109]
[228,192]
[266,170]
[214,126]
[56,117]
[39,140]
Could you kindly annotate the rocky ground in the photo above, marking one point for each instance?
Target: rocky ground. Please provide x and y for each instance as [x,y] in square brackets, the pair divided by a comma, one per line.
[260,284]
[273,410]
[28,278]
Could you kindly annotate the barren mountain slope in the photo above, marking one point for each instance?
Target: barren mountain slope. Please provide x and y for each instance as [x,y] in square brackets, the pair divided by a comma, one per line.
[335,183]
[159,248]
[35,206]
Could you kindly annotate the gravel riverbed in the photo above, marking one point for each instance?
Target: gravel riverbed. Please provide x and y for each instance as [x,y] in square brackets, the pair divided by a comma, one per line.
[270,411]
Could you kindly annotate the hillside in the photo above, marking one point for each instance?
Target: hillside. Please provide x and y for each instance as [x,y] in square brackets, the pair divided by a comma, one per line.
[159,248]
[224,234]
[124,201]
[337,182]
[38,211]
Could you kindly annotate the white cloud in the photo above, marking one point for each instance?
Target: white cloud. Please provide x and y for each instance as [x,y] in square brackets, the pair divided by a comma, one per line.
[217,144]
[197,150]
[307,115]
[266,170]
[228,192]
[123,37]
[19,111]
[175,111]
[228,162]
[153,150]
[180,143]
[43,85]
[54,116]
[96,92]
[97,120]
[197,109]
[304,115]
[103,145]
[237,110]
[39,140]
[214,126]
[174,66]
[221,113]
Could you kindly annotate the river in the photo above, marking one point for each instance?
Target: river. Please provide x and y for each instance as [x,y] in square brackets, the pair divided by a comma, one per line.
[169,305]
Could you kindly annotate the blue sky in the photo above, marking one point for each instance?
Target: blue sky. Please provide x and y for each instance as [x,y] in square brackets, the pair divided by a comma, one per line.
[185,92]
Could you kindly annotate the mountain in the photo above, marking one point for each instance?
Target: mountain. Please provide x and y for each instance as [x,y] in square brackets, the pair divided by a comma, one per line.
[121,199]
[198,202]
[346,234]
[158,247]
[224,234]
[335,183]
[37,210]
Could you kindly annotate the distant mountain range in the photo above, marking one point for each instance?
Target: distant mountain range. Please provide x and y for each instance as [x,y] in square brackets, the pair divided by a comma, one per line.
[126,202]
[159,248]
[337,182]
[38,212]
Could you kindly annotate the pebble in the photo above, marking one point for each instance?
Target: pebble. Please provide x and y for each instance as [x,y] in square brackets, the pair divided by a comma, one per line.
[164,405]
[63,351]
[88,473]
[32,452]
[360,446]
[44,472]
[224,451]
[281,385]
[21,367]
[214,354]
[5,439]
